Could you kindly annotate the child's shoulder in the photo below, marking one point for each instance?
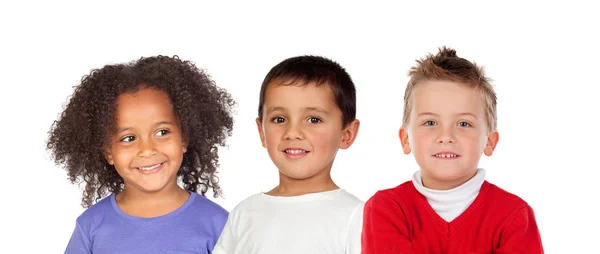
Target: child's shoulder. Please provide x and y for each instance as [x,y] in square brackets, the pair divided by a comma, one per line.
[248,202]
[395,193]
[208,206]
[348,200]
[341,200]
[403,196]
[503,198]
[97,212]
[506,208]
[349,197]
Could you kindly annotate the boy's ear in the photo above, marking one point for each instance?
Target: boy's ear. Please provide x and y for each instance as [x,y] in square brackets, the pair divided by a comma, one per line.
[349,134]
[108,156]
[403,134]
[261,132]
[492,141]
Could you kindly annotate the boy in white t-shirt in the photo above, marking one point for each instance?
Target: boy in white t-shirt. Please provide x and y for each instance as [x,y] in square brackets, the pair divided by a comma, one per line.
[306,112]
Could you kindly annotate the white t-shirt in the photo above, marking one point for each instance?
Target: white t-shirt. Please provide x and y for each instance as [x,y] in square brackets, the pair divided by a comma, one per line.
[325,222]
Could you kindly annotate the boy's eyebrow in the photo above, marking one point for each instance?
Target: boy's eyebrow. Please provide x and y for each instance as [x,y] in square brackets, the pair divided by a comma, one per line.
[271,109]
[321,110]
[467,114]
[317,109]
[459,114]
[427,114]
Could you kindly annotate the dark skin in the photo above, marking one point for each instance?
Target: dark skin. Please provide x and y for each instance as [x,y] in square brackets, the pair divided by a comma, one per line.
[148,135]
[79,139]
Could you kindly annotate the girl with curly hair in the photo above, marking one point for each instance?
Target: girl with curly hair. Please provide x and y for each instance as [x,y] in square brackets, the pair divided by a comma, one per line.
[130,132]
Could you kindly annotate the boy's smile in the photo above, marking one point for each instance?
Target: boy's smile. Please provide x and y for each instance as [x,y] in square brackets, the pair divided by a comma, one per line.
[295,153]
[446,155]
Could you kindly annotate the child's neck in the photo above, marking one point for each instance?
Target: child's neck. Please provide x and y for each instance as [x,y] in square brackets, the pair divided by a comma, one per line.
[151,204]
[451,203]
[433,184]
[295,187]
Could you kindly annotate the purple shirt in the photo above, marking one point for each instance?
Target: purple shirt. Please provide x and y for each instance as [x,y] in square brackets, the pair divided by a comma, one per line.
[195,227]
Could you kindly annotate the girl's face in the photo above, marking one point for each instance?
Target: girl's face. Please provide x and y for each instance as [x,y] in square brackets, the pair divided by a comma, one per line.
[147,148]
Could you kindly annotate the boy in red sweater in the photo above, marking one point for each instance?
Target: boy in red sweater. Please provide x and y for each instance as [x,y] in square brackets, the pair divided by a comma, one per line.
[448,207]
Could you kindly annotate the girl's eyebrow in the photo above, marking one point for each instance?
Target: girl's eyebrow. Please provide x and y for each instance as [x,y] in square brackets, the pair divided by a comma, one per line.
[124,129]
[120,130]
[164,123]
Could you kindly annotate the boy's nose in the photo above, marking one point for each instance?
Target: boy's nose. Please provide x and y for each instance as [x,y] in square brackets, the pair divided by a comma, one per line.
[445,139]
[293,132]
[446,136]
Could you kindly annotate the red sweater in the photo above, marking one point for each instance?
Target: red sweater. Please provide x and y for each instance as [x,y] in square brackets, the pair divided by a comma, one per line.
[401,221]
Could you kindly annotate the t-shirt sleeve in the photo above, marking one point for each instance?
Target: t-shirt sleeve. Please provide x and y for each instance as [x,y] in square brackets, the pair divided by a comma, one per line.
[227,240]
[384,226]
[220,222]
[80,242]
[354,234]
[520,234]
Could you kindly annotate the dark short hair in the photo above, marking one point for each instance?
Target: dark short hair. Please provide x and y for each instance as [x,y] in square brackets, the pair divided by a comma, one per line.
[317,70]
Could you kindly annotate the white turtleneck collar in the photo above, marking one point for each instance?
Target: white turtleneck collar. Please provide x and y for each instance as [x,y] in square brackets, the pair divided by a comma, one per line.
[449,204]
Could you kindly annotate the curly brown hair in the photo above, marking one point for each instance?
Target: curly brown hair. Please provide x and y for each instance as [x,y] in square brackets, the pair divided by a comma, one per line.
[78,138]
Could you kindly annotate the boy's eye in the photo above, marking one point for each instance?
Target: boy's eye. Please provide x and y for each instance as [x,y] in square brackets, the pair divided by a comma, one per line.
[128,139]
[278,120]
[464,124]
[314,120]
[429,123]
[162,132]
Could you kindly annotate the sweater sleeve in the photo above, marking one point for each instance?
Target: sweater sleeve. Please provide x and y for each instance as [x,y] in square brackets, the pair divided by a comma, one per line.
[384,227]
[520,234]
[80,242]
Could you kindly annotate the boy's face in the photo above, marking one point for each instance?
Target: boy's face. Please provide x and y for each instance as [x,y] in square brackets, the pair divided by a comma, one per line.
[147,149]
[447,133]
[302,130]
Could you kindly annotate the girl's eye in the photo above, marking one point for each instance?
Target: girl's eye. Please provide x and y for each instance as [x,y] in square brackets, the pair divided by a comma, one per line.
[314,120]
[464,124]
[429,123]
[128,139]
[162,132]
[278,120]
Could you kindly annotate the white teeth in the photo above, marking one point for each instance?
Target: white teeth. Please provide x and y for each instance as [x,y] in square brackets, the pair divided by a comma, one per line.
[294,151]
[445,155]
[150,168]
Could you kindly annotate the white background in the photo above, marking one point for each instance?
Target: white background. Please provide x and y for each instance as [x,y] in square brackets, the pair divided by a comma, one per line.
[543,58]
